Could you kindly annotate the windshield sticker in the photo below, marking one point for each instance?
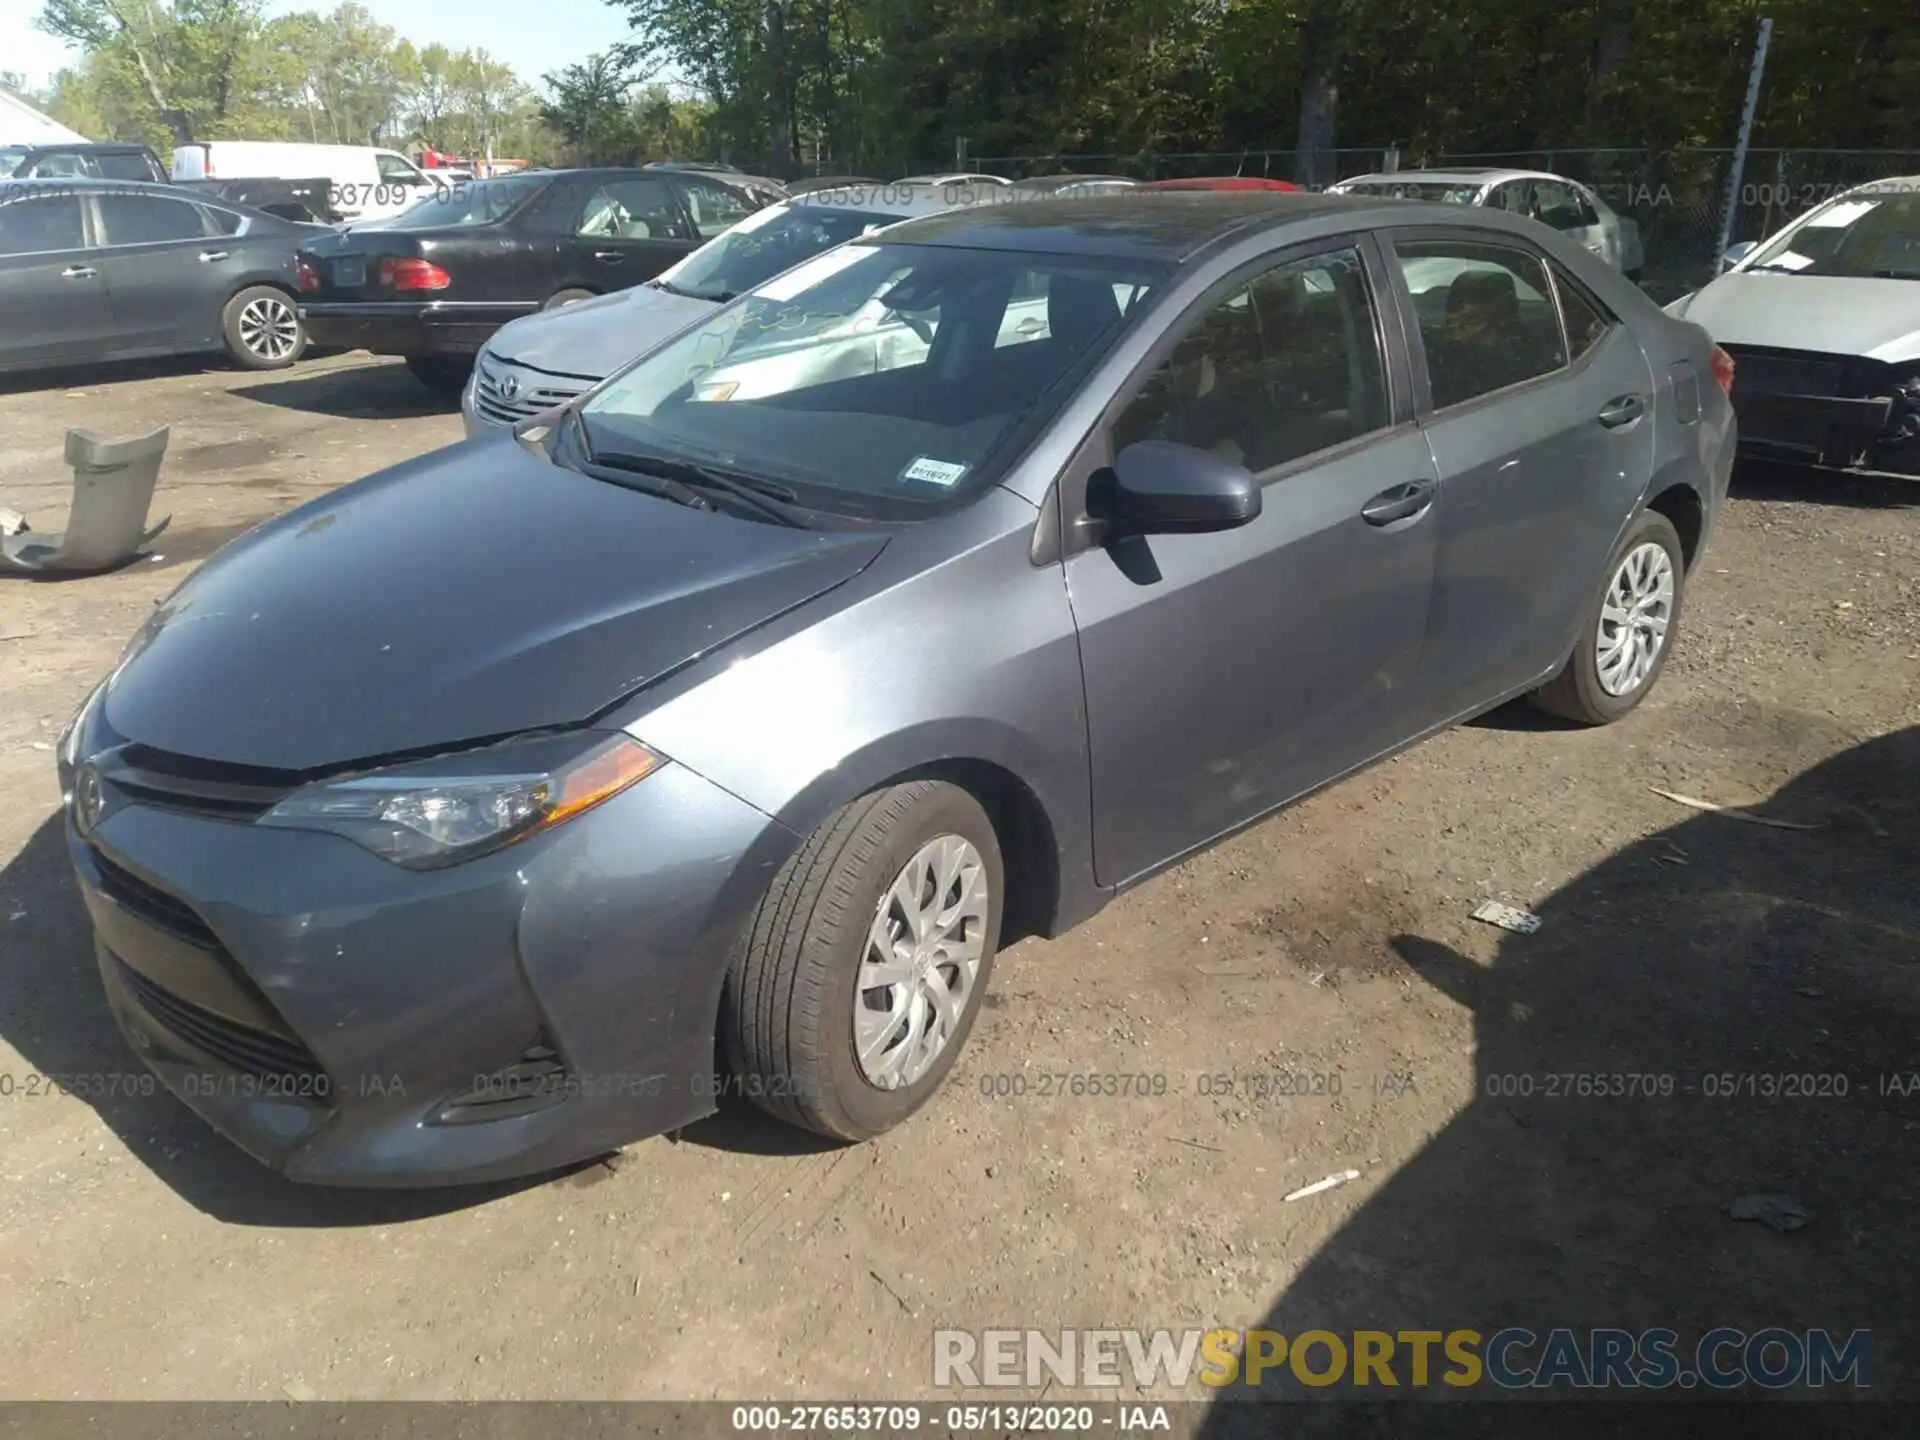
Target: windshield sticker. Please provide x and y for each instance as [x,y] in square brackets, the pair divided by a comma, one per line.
[933,472]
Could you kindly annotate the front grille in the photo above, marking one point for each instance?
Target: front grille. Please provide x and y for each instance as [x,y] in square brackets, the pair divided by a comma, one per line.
[164,912]
[536,390]
[239,1047]
[197,787]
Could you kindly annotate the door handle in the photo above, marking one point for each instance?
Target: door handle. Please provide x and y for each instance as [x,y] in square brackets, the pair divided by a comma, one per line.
[207,257]
[610,257]
[1623,411]
[79,272]
[1402,502]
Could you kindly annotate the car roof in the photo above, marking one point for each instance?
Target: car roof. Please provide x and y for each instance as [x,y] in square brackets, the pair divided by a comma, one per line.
[1488,175]
[896,197]
[1158,224]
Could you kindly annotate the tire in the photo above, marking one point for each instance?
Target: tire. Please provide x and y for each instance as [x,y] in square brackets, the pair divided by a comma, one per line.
[1582,691]
[566,297]
[788,1023]
[262,330]
[442,374]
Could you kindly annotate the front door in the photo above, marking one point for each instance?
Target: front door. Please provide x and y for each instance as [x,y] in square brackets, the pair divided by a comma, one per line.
[1542,458]
[166,276]
[53,300]
[1228,673]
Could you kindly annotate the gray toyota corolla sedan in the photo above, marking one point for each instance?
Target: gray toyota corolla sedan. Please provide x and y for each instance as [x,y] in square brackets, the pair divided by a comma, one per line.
[920,599]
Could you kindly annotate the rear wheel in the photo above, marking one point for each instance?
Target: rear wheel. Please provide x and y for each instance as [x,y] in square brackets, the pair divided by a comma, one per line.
[860,976]
[1623,645]
[567,297]
[262,329]
[442,374]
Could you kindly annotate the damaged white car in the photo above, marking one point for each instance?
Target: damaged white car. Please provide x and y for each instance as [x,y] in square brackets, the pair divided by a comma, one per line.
[1823,324]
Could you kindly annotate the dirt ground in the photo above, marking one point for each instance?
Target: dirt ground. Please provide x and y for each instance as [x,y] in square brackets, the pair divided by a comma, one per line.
[143,1256]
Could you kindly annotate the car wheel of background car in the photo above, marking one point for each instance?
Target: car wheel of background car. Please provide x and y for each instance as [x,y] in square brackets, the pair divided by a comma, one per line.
[262,329]
[854,987]
[442,374]
[1624,644]
[567,297]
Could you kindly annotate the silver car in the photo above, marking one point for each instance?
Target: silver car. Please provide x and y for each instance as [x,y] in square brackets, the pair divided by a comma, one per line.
[1575,210]
[1823,324]
[547,358]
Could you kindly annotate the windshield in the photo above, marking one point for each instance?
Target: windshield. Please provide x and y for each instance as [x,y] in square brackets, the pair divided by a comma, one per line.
[874,379]
[1862,235]
[1445,192]
[455,203]
[764,244]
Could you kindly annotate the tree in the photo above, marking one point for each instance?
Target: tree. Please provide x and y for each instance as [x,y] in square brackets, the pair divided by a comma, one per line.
[192,59]
[588,108]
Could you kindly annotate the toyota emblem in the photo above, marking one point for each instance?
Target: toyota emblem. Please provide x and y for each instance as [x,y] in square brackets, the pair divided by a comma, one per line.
[509,387]
[89,797]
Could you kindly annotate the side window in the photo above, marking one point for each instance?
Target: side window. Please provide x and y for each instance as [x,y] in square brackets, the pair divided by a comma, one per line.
[225,222]
[1485,314]
[1511,195]
[632,210]
[44,223]
[1287,365]
[395,171]
[715,209]
[126,165]
[147,219]
[1583,204]
[1586,321]
[61,167]
[1558,206]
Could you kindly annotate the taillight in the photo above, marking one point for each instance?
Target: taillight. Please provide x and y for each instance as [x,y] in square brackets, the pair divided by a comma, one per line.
[309,278]
[413,275]
[1723,369]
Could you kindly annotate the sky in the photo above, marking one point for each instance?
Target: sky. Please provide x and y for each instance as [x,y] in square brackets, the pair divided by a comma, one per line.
[534,38]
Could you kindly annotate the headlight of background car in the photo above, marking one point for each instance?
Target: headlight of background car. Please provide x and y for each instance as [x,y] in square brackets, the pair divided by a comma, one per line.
[435,813]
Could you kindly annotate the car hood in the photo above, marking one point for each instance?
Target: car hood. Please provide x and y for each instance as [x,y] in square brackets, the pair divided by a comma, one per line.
[1829,314]
[591,339]
[471,594]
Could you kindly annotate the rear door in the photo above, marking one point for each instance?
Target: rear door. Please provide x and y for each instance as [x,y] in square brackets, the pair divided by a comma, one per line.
[168,271]
[1227,673]
[53,300]
[623,230]
[1543,435]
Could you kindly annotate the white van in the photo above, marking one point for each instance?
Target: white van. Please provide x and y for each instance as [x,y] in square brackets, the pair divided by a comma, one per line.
[363,183]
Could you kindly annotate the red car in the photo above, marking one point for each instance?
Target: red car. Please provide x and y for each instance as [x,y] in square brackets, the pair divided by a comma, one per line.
[1223,182]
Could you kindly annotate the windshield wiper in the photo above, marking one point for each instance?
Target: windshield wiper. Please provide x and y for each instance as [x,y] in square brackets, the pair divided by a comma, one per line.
[1774,267]
[766,498]
[629,472]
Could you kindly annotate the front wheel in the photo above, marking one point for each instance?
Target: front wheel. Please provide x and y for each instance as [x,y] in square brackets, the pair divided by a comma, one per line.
[566,297]
[859,978]
[1623,645]
[262,330]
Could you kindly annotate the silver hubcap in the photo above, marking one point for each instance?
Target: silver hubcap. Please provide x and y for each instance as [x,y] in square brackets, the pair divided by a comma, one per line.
[921,963]
[269,329]
[1634,619]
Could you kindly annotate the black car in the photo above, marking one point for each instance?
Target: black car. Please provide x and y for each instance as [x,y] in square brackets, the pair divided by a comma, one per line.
[432,284]
[76,160]
[96,270]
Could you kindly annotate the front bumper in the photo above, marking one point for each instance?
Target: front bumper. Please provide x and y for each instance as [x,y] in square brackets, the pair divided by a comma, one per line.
[349,1022]
[397,327]
[1832,412]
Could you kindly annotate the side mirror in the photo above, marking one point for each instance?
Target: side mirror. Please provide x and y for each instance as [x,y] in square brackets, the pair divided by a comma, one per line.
[1157,487]
[1736,253]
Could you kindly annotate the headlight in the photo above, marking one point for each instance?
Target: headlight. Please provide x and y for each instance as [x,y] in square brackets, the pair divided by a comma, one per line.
[436,813]
[67,751]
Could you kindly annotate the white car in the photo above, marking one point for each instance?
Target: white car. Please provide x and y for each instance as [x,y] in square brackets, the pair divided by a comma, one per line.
[1576,210]
[544,360]
[1823,323]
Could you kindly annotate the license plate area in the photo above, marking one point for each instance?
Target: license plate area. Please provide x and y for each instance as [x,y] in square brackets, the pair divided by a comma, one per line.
[351,273]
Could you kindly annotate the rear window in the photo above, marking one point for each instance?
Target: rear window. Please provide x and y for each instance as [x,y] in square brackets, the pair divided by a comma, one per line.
[473,202]
[126,165]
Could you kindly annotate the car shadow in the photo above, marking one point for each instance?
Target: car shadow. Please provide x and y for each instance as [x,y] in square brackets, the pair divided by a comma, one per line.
[1764,986]
[356,392]
[116,372]
[1771,480]
[54,1014]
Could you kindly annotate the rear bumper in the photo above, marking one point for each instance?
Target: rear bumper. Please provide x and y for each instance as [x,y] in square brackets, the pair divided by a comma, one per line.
[410,327]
